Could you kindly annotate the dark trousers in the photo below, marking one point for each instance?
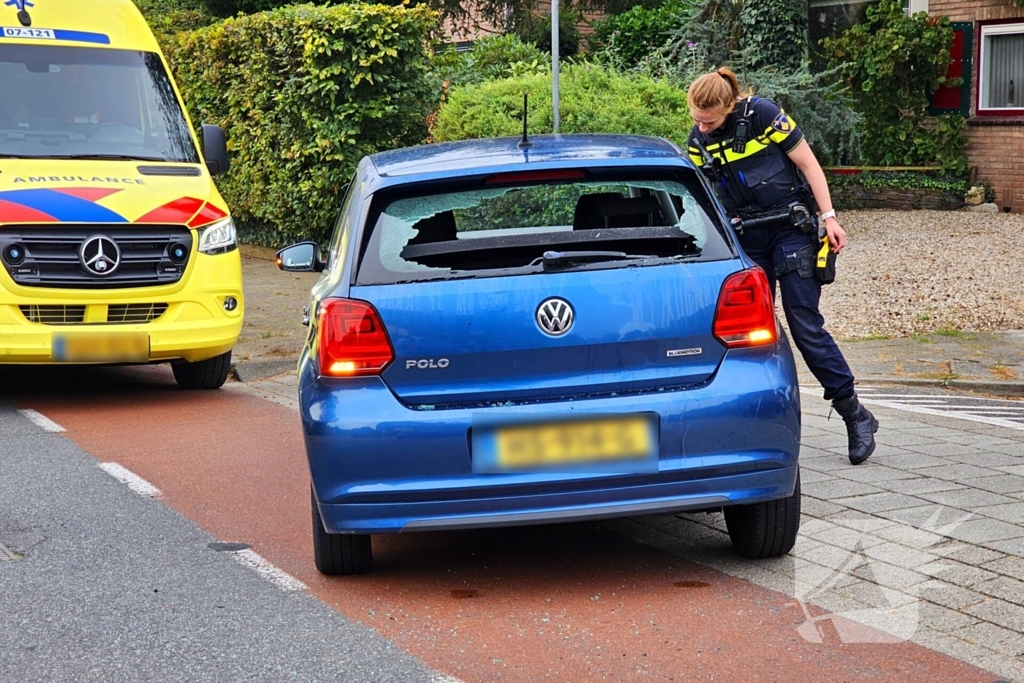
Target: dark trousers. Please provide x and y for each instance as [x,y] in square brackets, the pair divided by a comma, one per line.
[769,247]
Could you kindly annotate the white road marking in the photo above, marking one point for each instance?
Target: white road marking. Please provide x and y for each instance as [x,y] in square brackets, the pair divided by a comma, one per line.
[42,421]
[261,566]
[998,412]
[132,480]
[444,678]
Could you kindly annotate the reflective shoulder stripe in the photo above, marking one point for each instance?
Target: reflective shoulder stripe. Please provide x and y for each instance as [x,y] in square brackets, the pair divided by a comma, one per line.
[753,147]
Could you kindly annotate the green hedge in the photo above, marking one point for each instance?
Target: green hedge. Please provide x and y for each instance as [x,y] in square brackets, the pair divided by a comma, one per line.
[594,99]
[304,93]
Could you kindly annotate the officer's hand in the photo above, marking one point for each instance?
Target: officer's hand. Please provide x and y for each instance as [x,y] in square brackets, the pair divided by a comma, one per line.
[836,234]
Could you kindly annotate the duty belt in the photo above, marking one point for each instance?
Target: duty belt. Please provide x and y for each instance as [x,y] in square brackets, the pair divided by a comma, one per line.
[796,214]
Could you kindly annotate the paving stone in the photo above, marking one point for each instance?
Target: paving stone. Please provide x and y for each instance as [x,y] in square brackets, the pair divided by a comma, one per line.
[929,516]
[981,530]
[993,637]
[826,442]
[891,576]
[921,485]
[874,474]
[945,449]
[814,507]
[944,619]
[861,521]
[875,595]
[879,502]
[809,476]
[847,538]
[1002,483]
[975,555]
[1013,448]
[998,612]
[914,461]
[934,431]
[1012,546]
[985,459]
[1005,667]
[838,488]
[967,498]
[1012,512]
[951,596]
[900,555]
[894,436]
[1016,470]
[830,556]
[957,573]
[956,473]
[1003,587]
[1007,566]
[914,537]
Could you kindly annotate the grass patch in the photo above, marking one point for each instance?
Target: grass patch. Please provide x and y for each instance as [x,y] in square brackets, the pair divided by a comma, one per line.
[921,339]
[949,332]
[1003,372]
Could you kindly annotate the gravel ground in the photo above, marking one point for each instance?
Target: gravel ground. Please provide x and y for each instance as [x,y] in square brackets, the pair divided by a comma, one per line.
[913,272]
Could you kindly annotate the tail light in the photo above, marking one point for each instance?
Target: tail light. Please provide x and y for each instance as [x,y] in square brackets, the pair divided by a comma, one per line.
[353,341]
[746,314]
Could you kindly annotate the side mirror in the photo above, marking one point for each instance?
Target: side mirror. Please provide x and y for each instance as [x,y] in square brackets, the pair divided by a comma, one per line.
[303,257]
[215,149]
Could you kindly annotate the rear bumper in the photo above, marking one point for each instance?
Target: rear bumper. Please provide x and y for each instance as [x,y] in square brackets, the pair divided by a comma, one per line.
[194,326]
[379,467]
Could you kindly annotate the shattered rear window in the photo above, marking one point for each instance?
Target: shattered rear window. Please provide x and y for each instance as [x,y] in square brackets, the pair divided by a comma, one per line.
[472,229]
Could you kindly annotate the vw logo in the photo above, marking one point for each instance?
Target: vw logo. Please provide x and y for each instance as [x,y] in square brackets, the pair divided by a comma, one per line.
[100,255]
[555,316]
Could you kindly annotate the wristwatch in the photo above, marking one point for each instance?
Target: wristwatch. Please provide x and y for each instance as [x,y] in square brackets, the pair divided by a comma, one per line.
[831,213]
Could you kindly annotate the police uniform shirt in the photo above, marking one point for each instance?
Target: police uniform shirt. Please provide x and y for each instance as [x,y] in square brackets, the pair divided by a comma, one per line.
[761,177]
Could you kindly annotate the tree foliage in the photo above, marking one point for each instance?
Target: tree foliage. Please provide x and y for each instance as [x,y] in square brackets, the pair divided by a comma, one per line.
[639,31]
[491,58]
[891,62]
[304,93]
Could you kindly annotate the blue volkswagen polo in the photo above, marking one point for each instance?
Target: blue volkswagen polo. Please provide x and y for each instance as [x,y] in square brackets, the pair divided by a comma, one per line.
[562,330]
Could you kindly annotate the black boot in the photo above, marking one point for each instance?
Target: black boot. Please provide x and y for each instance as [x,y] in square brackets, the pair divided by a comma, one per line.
[861,426]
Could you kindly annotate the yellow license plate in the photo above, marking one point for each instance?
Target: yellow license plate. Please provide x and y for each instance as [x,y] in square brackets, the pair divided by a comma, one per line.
[101,347]
[578,442]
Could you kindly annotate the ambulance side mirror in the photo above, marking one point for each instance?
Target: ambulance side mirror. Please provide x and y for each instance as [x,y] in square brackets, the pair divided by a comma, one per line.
[215,149]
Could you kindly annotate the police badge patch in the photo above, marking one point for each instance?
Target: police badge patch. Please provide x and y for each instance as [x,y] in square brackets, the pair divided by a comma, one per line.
[782,123]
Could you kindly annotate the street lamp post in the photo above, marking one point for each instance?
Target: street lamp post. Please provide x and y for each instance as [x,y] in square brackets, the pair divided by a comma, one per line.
[554,62]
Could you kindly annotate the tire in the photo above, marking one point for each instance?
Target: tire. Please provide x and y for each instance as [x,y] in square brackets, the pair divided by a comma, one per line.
[204,374]
[339,554]
[763,530]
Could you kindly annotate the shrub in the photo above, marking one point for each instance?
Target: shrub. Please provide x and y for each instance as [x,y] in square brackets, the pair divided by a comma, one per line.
[891,61]
[594,99]
[491,58]
[304,92]
[167,17]
[629,37]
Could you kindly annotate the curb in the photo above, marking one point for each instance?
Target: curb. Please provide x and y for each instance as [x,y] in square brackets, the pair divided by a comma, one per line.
[253,370]
[980,386]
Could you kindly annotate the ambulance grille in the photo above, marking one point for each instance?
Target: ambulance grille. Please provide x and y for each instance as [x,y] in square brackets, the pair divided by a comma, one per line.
[53,314]
[52,255]
[120,314]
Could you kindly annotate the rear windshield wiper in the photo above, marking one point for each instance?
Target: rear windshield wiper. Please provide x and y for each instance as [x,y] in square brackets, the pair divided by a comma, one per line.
[563,259]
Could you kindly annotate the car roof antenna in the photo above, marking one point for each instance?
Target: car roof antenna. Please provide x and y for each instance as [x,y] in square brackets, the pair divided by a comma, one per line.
[525,142]
[23,15]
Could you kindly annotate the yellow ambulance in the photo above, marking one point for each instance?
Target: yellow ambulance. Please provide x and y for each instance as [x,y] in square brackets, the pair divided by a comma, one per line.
[115,246]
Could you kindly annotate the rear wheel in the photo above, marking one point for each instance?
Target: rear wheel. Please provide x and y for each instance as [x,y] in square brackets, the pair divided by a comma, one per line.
[204,374]
[339,554]
[765,529]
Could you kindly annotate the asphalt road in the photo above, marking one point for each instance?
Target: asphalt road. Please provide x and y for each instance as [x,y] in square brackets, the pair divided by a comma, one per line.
[114,585]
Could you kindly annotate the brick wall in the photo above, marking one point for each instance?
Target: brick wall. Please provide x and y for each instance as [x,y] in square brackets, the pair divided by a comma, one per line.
[995,151]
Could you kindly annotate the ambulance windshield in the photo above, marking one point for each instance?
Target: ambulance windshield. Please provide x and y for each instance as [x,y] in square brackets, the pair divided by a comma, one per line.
[89,103]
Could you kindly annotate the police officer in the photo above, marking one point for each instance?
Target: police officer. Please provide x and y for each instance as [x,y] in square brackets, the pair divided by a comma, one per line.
[761,167]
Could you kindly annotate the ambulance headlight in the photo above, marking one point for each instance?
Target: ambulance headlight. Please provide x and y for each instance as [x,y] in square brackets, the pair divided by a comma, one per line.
[218,238]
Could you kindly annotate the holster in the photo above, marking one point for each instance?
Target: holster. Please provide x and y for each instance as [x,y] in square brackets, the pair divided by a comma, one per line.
[801,260]
[825,263]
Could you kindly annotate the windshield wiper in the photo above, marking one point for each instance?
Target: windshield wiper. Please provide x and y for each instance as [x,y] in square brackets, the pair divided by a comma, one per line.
[104,157]
[563,259]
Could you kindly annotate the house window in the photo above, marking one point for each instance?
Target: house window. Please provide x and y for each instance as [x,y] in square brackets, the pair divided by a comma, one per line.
[1001,72]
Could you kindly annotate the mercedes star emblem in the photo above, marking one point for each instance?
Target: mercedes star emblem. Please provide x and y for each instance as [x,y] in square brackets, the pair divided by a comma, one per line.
[100,255]
[555,316]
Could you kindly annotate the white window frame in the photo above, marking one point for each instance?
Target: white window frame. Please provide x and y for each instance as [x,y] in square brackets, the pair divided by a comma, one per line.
[986,32]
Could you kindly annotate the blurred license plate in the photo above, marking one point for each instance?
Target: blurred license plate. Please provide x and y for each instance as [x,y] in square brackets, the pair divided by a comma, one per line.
[117,347]
[579,442]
